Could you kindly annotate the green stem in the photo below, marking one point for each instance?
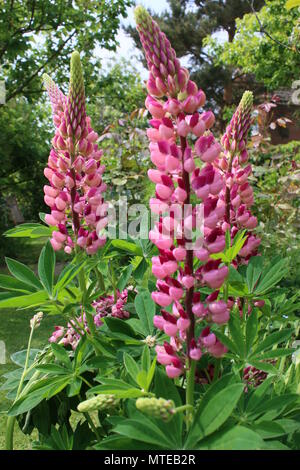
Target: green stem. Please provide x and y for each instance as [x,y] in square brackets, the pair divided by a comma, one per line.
[101,282]
[32,380]
[190,386]
[226,291]
[82,285]
[85,381]
[183,408]
[89,316]
[25,365]
[217,370]
[113,281]
[207,375]
[93,427]
[9,437]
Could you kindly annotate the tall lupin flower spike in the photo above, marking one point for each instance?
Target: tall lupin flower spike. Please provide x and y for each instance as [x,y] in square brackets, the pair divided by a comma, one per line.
[238,192]
[175,125]
[74,171]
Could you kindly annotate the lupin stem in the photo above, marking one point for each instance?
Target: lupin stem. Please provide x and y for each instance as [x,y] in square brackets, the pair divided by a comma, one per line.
[190,383]
[190,387]
[89,316]
[189,256]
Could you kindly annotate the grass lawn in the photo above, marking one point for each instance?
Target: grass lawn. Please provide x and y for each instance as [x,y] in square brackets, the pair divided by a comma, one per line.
[14,331]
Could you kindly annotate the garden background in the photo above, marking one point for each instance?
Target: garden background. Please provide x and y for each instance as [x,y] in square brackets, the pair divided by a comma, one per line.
[256,50]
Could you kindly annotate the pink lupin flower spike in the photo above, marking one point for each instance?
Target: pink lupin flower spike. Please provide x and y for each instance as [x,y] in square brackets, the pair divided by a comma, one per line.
[174,102]
[75,190]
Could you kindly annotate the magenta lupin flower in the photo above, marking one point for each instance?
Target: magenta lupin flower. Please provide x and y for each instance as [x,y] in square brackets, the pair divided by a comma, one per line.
[104,306]
[179,136]
[75,190]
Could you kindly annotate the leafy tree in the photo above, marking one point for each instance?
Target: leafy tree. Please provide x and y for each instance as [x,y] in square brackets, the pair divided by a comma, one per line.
[265,45]
[23,153]
[38,36]
[292,4]
[118,90]
[118,114]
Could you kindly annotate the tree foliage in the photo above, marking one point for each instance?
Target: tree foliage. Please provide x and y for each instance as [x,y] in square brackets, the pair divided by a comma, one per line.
[119,115]
[265,45]
[38,36]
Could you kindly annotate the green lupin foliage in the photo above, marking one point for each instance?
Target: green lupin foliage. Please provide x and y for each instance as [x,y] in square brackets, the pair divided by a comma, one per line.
[99,402]
[157,407]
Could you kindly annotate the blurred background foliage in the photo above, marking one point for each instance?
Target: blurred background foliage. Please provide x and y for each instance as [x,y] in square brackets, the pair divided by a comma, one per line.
[229,46]
[120,118]
[276,178]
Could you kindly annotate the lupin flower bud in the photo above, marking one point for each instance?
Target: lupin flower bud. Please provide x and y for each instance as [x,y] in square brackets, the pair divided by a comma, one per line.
[36,320]
[99,402]
[75,190]
[150,341]
[156,407]
[166,77]
[236,134]
[253,377]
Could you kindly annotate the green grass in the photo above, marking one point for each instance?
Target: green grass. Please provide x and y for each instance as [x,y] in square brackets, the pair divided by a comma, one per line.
[14,331]
[25,250]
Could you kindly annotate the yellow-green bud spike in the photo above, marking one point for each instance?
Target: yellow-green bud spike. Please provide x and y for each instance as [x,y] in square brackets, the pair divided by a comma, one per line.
[246,101]
[157,407]
[48,82]
[75,113]
[76,77]
[142,16]
[99,402]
